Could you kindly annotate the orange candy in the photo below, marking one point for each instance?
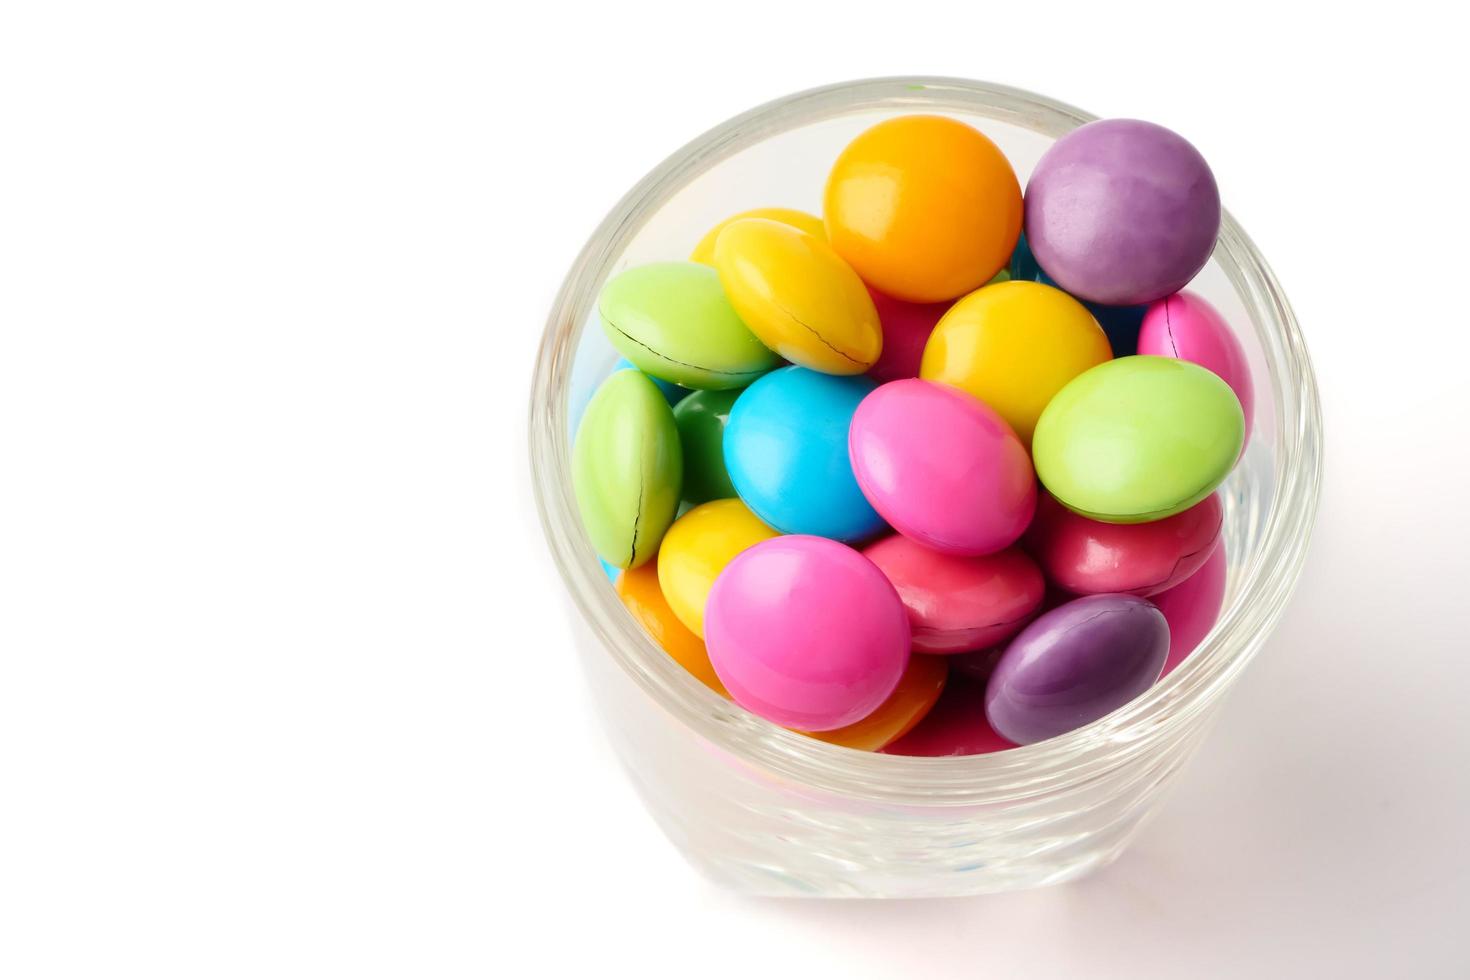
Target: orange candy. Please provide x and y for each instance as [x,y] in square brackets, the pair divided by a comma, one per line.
[640,592]
[925,208]
[918,689]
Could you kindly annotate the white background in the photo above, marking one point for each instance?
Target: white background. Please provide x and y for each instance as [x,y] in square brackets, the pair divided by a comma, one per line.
[284,688]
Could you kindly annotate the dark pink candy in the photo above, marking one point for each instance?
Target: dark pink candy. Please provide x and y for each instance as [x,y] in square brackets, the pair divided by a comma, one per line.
[906,329]
[956,603]
[1090,557]
[956,725]
[1192,607]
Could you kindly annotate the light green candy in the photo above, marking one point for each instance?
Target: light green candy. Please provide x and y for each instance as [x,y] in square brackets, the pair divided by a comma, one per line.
[627,469]
[1138,439]
[672,320]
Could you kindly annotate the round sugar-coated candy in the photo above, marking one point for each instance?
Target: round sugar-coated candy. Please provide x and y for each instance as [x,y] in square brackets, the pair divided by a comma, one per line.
[1089,557]
[1188,327]
[672,320]
[1122,212]
[906,329]
[918,689]
[1120,323]
[786,453]
[643,596]
[1075,664]
[811,224]
[697,548]
[1192,607]
[925,208]
[958,604]
[1138,439]
[956,725]
[673,394]
[807,633]
[701,419]
[798,296]
[942,467]
[627,468]
[1013,346]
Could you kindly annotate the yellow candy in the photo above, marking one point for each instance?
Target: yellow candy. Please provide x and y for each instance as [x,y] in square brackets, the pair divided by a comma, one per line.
[811,224]
[1014,345]
[697,548]
[798,296]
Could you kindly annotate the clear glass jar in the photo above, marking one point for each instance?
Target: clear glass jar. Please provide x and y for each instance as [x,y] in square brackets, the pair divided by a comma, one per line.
[763,810]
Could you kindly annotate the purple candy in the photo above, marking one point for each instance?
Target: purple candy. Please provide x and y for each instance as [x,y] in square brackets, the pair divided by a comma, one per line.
[1122,212]
[1074,664]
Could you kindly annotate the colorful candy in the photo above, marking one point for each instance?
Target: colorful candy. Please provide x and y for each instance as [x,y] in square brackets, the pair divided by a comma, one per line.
[673,321]
[1075,664]
[1188,327]
[958,604]
[1122,212]
[925,208]
[1014,345]
[798,296]
[1138,439]
[1089,557]
[701,419]
[806,632]
[786,452]
[641,594]
[966,487]
[697,548]
[627,469]
[942,364]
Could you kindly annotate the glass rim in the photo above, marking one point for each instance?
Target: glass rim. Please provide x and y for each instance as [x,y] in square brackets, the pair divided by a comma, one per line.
[1158,717]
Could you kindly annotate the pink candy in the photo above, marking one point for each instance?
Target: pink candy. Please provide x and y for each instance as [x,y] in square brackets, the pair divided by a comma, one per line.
[806,632]
[942,467]
[1192,607]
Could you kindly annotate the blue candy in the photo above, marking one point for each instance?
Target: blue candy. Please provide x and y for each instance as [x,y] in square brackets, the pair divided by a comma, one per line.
[1120,323]
[786,452]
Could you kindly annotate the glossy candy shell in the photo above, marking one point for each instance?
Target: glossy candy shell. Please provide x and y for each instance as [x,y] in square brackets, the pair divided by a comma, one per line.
[704,252]
[798,296]
[906,329]
[644,598]
[1122,212]
[672,320]
[701,419]
[956,725]
[786,453]
[925,208]
[918,690]
[1121,323]
[1014,345]
[958,604]
[1192,607]
[1186,326]
[806,633]
[697,548]
[1089,557]
[1075,664]
[942,467]
[1138,439]
[627,468]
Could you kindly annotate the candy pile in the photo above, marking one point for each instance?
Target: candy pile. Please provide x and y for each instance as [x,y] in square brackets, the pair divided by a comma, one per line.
[904,478]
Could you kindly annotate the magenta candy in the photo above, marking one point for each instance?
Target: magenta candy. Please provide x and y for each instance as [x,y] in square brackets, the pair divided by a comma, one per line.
[956,725]
[1090,557]
[806,633]
[956,603]
[1075,664]
[1186,326]
[1192,607]
[1122,212]
[906,329]
[942,467]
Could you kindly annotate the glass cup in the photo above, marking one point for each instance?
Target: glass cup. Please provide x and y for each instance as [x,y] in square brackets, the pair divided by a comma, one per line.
[767,811]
